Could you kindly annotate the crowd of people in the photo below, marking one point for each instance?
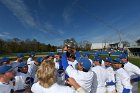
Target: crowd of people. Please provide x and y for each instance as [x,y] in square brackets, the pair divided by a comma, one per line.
[69,72]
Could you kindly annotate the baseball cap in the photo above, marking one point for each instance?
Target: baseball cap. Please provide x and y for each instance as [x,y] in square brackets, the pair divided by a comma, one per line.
[5,60]
[85,63]
[20,55]
[39,59]
[123,56]
[32,53]
[5,68]
[108,59]
[97,58]
[117,61]
[22,64]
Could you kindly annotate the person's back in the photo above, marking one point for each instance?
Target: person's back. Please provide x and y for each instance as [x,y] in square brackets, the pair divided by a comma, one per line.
[84,79]
[32,68]
[55,88]
[134,72]
[122,80]
[101,78]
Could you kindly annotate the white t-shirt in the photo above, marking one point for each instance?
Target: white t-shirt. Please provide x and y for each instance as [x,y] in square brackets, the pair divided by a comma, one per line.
[55,88]
[6,88]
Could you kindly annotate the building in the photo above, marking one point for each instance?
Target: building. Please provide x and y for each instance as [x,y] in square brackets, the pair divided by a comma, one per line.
[134,51]
[99,46]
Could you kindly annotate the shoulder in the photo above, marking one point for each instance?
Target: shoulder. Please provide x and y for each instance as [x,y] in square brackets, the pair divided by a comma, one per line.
[122,73]
[36,87]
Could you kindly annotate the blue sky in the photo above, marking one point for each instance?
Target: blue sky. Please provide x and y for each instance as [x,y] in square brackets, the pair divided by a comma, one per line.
[52,21]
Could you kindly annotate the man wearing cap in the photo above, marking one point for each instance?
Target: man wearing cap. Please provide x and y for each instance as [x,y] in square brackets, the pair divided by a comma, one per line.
[133,71]
[111,76]
[5,61]
[18,61]
[123,84]
[23,81]
[83,76]
[32,67]
[6,74]
[101,73]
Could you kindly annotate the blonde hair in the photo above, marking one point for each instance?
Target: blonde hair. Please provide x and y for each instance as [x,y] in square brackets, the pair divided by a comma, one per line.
[46,74]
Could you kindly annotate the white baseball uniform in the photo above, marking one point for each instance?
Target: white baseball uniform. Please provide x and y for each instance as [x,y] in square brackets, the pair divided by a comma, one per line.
[20,81]
[102,77]
[111,78]
[6,88]
[122,80]
[134,72]
[84,79]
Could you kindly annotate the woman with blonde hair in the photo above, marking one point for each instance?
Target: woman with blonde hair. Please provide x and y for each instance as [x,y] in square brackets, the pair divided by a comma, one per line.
[46,75]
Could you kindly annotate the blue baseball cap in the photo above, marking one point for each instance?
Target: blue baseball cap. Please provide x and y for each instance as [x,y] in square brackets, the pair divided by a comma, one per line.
[5,60]
[117,61]
[32,53]
[39,59]
[108,59]
[5,68]
[85,63]
[22,64]
[97,58]
[20,55]
[123,56]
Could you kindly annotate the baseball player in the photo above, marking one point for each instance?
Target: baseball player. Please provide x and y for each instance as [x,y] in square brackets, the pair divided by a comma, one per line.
[123,84]
[101,73]
[32,67]
[18,61]
[83,76]
[23,81]
[6,74]
[5,61]
[133,71]
[111,76]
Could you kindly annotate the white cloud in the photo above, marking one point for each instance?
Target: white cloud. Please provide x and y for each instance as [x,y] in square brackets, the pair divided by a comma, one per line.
[5,34]
[2,35]
[19,9]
